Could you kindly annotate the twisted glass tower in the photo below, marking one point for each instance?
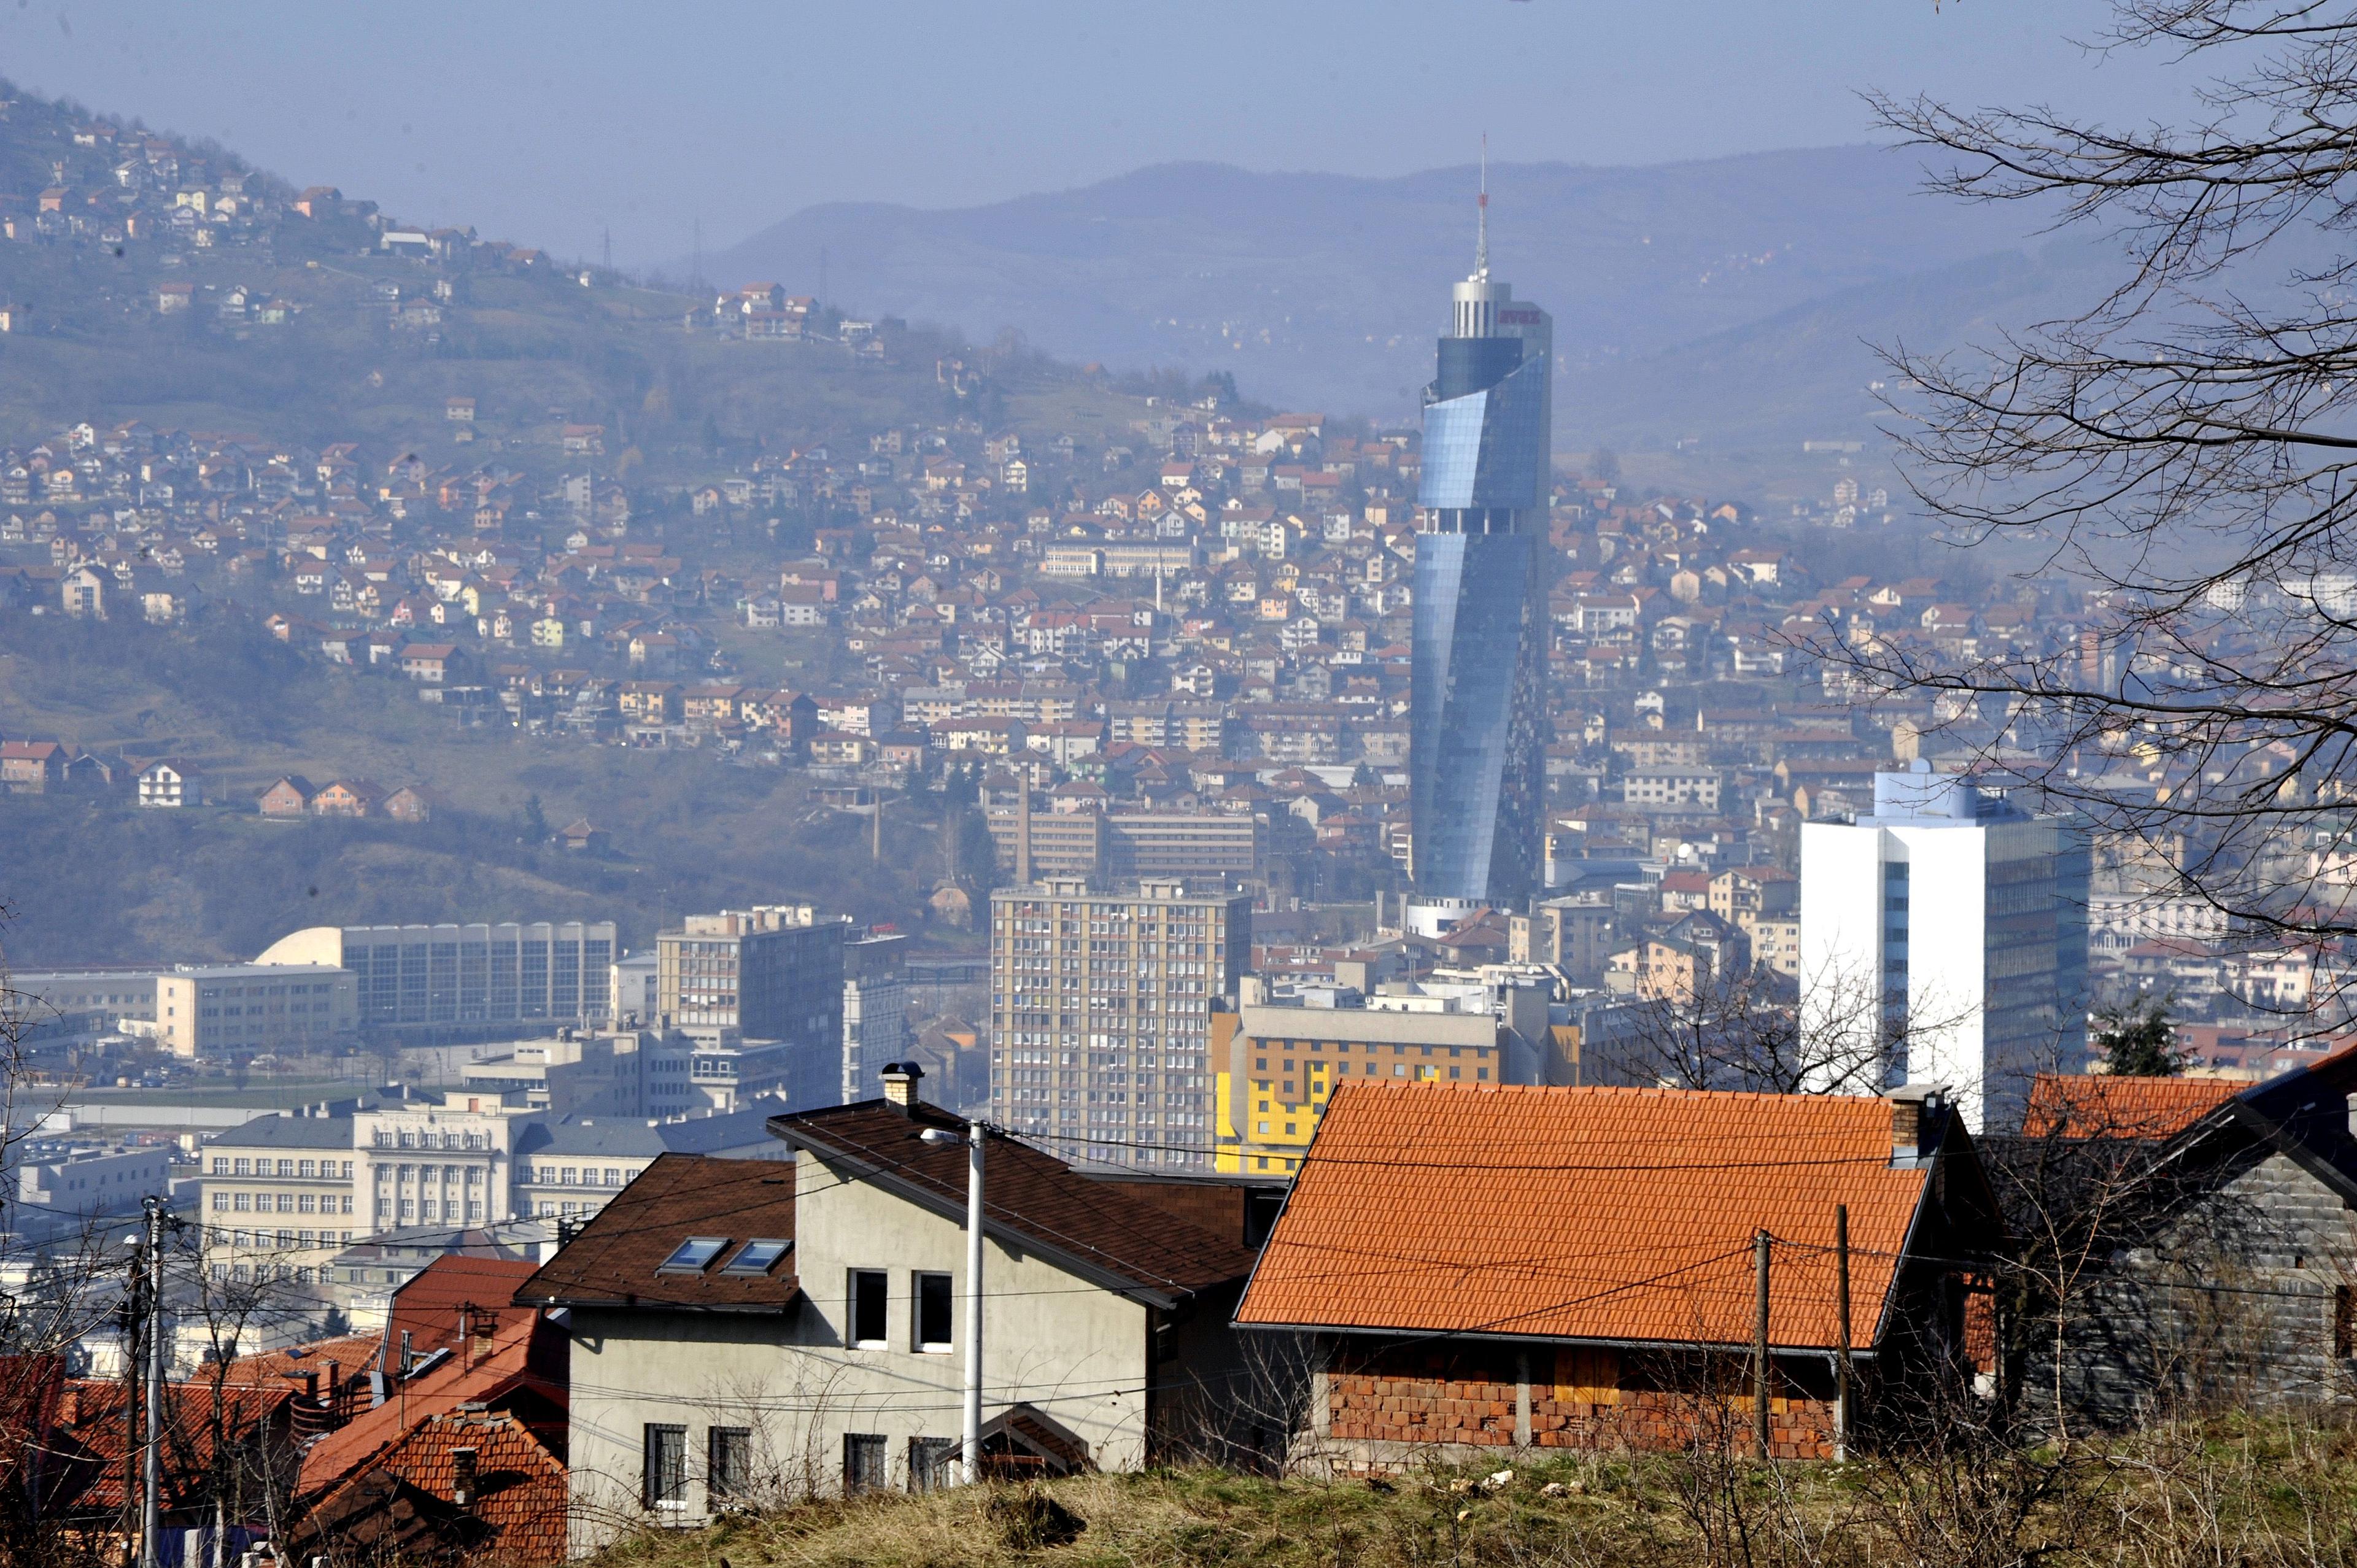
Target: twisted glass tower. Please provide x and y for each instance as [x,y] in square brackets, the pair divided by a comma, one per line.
[1477,745]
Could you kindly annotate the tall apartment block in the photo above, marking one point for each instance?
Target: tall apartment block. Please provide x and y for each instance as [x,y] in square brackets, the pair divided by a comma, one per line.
[1477,784]
[459,977]
[875,1012]
[770,973]
[1956,923]
[1101,1002]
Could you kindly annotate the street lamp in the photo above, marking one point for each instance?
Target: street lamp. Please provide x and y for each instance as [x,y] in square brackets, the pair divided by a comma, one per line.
[969,1445]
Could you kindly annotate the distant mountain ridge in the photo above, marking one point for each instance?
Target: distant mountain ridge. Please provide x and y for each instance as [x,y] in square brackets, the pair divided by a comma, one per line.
[1759,274]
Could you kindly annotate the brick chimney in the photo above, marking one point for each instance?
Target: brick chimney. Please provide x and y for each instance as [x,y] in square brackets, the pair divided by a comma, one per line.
[462,1477]
[900,1080]
[1915,1124]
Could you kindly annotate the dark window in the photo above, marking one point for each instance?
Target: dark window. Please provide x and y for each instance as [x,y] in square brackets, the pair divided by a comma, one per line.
[868,1294]
[863,1462]
[728,1461]
[933,1312]
[666,1477]
[928,1463]
[2344,1322]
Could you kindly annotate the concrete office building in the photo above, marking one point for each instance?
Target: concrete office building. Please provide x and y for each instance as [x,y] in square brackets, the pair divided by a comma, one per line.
[466,978]
[1109,845]
[92,1001]
[637,996]
[250,1009]
[609,1072]
[1100,1006]
[1956,922]
[1477,783]
[59,1187]
[747,978]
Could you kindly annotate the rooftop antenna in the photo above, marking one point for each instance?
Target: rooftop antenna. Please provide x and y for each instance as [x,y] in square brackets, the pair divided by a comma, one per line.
[1481,229]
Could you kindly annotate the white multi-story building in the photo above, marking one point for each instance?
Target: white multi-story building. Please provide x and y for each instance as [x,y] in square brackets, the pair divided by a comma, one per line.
[1955,921]
[283,1194]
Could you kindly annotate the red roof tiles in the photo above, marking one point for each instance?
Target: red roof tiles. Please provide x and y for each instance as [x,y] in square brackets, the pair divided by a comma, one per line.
[1614,1214]
[430,1306]
[2110,1105]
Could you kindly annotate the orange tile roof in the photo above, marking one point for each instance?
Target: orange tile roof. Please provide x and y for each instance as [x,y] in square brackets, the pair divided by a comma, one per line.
[518,1503]
[353,1353]
[92,1418]
[429,1305]
[525,1359]
[2111,1105]
[1617,1214]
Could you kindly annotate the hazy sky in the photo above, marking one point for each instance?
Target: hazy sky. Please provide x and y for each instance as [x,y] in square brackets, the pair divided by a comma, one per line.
[552,123]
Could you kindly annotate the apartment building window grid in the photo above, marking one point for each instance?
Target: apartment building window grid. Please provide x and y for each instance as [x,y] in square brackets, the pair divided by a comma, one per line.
[1102,1006]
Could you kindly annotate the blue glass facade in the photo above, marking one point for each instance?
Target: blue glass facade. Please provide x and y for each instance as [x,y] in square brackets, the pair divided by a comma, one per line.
[1477,719]
[1476,756]
[1487,448]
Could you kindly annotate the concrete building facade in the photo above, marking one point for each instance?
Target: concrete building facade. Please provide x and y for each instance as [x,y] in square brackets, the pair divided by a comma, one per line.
[248,1009]
[453,978]
[1954,923]
[1102,1003]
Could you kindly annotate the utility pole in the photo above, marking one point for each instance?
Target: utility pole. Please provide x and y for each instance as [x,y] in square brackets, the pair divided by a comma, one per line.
[1841,1365]
[969,1437]
[970,1443]
[1760,1340]
[150,1508]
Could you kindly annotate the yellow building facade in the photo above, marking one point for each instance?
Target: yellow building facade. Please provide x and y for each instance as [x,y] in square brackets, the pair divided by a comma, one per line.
[1278,1065]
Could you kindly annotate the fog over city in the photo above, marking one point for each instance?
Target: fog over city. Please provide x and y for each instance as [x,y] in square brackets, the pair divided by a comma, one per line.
[921,785]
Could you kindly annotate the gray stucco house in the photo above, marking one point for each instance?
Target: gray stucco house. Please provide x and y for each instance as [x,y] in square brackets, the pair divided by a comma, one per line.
[762,1331]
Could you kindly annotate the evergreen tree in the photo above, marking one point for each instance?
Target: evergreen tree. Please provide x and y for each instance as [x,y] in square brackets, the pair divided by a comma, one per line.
[2138,1041]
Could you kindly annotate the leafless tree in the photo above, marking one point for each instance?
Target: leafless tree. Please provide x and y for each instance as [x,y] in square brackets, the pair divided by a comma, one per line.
[2184,448]
[1828,1034]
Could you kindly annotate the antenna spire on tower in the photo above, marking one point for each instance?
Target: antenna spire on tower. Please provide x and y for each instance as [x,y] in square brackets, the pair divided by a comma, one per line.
[1481,207]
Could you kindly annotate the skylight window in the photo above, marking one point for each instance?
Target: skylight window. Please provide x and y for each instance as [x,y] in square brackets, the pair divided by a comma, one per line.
[758,1256]
[694,1255]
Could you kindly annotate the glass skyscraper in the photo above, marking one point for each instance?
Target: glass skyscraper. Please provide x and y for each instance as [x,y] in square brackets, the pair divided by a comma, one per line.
[1477,740]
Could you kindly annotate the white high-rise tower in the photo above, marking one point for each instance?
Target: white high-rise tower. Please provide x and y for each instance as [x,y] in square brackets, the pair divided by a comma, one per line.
[1956,923]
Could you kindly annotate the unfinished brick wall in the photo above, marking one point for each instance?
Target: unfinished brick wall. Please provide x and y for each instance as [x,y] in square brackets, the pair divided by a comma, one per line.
[1660,1420]
[1369,1409]
[1381,1399]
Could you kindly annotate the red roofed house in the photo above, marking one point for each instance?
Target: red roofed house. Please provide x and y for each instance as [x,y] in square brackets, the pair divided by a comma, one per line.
[31,767]
[289,797]
[1491,1267]
[432,662]
[466,1454]
[347,797]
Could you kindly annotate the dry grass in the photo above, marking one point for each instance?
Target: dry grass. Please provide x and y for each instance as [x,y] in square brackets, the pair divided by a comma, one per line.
[2243,1493]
